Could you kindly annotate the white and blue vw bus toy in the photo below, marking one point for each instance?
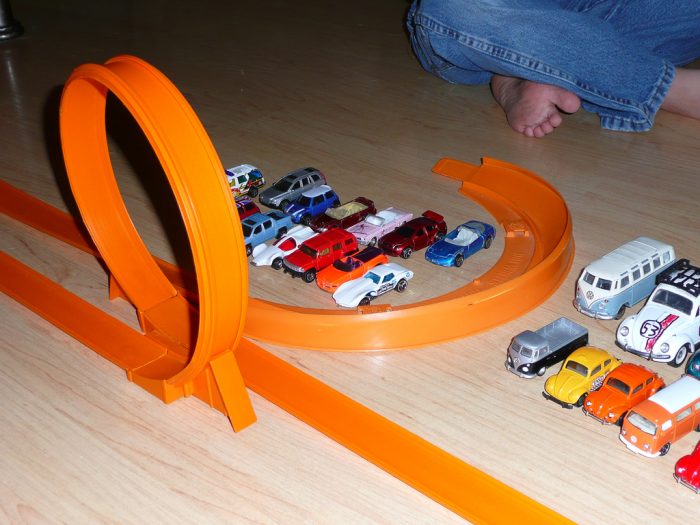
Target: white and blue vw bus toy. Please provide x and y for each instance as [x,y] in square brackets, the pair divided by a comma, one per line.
[622,278]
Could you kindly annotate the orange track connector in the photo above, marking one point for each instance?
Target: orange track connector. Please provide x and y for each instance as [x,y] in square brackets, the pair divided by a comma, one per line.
[193,325]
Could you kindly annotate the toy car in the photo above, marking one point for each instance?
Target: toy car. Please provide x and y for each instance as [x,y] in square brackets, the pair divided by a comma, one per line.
[687,470]
[582,372]
[460,243]
[343,216]
[653,425]
[693,366]
[318,252]
[261,227]
[244,180]
[349,268]
[286,190]
[311,203]
[531,353]
[416,234]
[272,255]
[667,328]
[246,208]
[379,280]
[374,227]
[623,388]
[622,278]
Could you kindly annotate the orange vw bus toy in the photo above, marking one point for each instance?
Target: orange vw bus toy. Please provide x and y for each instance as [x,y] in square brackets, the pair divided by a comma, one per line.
[671,413]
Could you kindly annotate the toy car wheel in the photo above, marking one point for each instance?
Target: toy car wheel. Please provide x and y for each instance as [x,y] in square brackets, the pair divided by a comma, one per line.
[401,285]
[621,312]
[253,192]
[459,260]
[680,356]
[580,400]
[309,276]
[541,371]
[277,263]
[487,243]
[282,232]
[365,301]
[248,249]
[621,419]
[664,450]
[406,253]
[306,220]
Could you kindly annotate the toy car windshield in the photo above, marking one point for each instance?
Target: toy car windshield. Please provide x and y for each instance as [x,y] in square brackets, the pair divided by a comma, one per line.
[282,184]
[615,383]
[347,265]
[577,367]
[673,300]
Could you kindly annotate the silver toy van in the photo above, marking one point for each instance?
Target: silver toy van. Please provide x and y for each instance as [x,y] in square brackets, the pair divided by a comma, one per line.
[283,192]
[622,278]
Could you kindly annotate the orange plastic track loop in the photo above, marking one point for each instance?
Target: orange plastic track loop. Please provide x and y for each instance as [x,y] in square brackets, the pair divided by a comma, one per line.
[194,171]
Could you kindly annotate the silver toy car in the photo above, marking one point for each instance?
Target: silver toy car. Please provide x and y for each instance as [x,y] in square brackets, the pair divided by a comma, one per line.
[288,188]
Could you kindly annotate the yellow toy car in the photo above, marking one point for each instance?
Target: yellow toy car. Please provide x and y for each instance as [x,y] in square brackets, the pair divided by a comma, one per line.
[582,372]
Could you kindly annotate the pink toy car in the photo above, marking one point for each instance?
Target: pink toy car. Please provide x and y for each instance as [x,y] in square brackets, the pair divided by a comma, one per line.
[374,227]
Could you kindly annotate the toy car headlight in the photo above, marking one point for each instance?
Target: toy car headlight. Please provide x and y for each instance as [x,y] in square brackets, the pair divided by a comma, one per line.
[624,331]
[588,403]
[664,348]
[611,415]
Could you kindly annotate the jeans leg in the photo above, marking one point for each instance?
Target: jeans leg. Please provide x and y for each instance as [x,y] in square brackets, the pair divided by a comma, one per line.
[589,47]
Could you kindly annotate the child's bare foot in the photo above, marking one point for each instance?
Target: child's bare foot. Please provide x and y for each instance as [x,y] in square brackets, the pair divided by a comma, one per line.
[532,109]
[683,96]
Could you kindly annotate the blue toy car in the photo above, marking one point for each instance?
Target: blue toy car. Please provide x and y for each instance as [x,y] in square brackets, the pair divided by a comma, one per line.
[312,203]
[460,243]
[261,227]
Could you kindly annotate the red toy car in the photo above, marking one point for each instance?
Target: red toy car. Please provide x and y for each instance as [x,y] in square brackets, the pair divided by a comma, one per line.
[319,252]
[246,208]
[416,234]
[688,470]
[343,216]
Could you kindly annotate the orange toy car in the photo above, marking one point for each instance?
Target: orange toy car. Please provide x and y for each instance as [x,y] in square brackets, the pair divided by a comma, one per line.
[623,388]
[349,268]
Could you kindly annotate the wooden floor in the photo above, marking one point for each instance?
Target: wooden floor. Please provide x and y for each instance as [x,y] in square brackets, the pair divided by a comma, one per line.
[332,85]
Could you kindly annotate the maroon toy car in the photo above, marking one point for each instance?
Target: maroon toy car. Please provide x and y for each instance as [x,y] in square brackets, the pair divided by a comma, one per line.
[246,208]
[416,234]
[343,216]
[318,252]
[688,470]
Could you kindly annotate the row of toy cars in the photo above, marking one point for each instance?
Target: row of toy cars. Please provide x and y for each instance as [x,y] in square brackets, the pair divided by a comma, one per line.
[325,246]
[651,414]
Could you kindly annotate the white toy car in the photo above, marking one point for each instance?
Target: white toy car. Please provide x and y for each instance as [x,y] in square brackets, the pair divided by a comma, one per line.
[379,280]
[667,328]
[244,180]
[374,227]
[273,254]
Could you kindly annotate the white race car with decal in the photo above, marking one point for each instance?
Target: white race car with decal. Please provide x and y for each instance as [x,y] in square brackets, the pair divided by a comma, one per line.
[379,280]
[273,254]
[667,328]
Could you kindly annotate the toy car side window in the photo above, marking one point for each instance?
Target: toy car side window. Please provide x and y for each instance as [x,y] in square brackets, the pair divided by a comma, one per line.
[241,179]
[267,224]
[328,195]
[388,277]
[607,363]
[666,257]
[257,229]
[324,252]
[646,267]
[684,414]
[317,200]
[596,370]
[337,246]
[588,278]
[348,241]
[638,388]
[624,281]
[648,381]
[636,274]
[296,185]
[697,405]
[655,261]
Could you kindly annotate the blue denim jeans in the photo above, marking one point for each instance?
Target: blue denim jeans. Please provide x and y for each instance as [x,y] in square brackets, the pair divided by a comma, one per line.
[618,56]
